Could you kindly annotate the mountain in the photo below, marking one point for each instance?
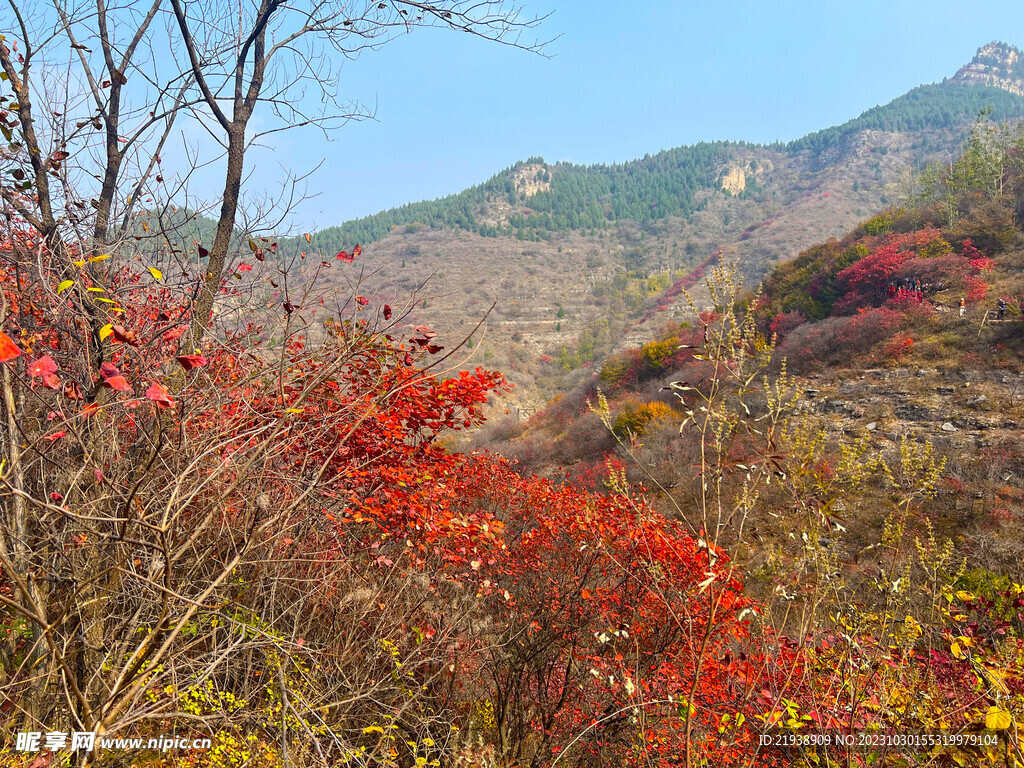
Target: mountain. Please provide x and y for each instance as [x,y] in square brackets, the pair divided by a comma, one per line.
[579,261]
[565,196]
[906,332]
[997,65]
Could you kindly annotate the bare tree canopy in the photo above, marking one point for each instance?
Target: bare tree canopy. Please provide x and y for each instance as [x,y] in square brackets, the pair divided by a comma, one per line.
[99,93]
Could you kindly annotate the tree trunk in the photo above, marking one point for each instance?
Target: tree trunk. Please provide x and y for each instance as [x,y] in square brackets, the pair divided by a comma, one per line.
[202,313]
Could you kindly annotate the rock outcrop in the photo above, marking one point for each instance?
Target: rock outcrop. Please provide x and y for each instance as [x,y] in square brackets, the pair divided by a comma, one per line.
[997,65]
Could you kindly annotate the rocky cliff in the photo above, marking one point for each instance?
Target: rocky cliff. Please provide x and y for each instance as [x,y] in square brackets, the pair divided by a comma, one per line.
[996,64]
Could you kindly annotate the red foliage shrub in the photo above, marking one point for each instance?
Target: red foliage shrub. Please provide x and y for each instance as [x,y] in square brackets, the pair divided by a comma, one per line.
[854,301]
[838,339]
[869,326]
[977,288]
[968,251]
[941,269]
[873,272]
[911,307]
[897,348]
[597,607]
[783,323]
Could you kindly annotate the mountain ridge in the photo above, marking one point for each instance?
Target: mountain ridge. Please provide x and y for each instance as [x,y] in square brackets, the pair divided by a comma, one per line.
[588,197]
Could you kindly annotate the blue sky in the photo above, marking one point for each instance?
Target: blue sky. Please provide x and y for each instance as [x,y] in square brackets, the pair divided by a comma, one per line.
[621,81]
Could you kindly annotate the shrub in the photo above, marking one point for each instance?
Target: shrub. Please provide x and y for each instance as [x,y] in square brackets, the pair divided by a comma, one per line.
[872,273]
[620,369]
[783,323]
[977,289]
[655,353]
[634,419]
[896,349]
[882,224]
[947,270]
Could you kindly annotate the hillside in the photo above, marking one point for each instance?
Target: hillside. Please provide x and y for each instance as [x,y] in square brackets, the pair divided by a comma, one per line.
[877,363]
[583,260]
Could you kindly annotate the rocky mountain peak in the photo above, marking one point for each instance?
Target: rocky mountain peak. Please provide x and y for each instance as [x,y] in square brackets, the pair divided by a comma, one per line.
[996,64]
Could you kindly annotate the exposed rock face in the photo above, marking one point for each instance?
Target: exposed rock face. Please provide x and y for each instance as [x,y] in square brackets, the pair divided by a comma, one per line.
[996,64]
[734,179]
[532,178]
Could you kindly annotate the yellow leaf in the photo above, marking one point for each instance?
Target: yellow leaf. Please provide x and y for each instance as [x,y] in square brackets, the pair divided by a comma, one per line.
[64,285]
[294,410]
[373,729]
[79,263]
[95,290]
[106,330]
[253,246]
[145,226]
[957,651]
[105,301]
[964,595]
[997,719]
[102,257]
[156,273]
[912,626]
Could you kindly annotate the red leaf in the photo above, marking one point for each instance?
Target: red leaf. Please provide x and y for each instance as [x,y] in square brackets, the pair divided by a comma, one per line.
[407,359]
[47,369]
[422,329]
[362,301]
[346,257]
[41,367]
[55,436]
[387,312]
[356,251]
[56,496]
[90,409]
[123,336]
[8,349]
[158,394]
[243,267]
[188,362]
[113,378]
[203,253]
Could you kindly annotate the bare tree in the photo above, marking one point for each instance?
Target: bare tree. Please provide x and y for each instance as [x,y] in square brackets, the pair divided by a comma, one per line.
[97,91]
[140,551]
